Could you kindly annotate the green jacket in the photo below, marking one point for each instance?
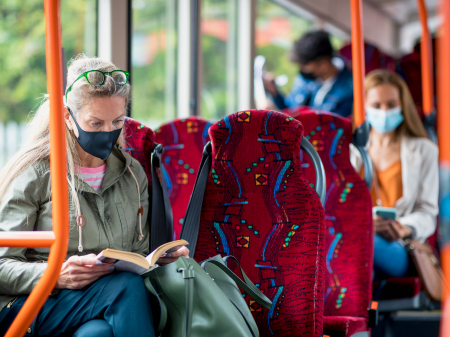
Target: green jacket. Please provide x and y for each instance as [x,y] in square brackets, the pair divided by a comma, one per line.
[111,219]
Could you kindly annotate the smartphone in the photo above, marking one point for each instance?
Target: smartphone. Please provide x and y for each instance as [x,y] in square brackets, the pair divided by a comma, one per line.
[386,213]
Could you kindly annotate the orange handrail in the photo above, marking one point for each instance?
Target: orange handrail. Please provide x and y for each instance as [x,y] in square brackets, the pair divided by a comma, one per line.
[27,239]
[358,62]
[426,56]
[444,144]
[58,171]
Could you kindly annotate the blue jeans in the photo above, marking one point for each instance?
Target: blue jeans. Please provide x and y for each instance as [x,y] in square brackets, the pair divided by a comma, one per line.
[115,305]
[390,258]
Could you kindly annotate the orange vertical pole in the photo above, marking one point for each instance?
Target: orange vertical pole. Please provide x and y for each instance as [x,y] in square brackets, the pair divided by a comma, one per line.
[426,56]
[444,153]
[444,86]
[58,171]
[358,61]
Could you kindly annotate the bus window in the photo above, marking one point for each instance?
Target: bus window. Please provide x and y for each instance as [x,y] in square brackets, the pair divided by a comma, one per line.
[154,61]
[218,58]
[277,28]
[22,56]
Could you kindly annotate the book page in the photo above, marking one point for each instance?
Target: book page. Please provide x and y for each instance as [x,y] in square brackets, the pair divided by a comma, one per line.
[164,249]
[129,261]
[127,266]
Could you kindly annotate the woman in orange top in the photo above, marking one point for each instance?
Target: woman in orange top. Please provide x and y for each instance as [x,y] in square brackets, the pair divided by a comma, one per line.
[405,165]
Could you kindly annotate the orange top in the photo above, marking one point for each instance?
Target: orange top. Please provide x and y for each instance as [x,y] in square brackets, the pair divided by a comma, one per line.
[390,183]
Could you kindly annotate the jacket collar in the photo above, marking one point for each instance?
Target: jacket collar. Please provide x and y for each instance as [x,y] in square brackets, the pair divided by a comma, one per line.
[343,75]
[116,165]
[410,158]
[340,82]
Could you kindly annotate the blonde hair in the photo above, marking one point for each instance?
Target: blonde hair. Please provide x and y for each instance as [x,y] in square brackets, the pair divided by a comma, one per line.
[37,145]
[412,125]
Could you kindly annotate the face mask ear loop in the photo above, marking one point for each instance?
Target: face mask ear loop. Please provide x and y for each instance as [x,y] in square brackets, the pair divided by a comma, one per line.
[79,218]
[141,209]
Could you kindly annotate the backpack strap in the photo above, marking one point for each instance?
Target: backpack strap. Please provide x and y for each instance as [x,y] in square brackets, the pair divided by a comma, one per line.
[161,324]
[189,231]
[161,222]
[246,284]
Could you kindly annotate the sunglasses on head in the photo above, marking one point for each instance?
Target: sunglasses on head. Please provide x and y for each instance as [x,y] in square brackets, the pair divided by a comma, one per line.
[97,78]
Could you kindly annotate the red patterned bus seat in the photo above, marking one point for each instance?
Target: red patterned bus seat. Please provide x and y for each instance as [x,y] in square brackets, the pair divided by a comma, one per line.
[411,69]
[259,208]
[344,326]
[374,58]
[138,142]
[183,141]
[397,288]
[348,218]
[399,294]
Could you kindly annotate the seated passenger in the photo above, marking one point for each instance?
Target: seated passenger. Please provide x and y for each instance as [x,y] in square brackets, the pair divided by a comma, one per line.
[323,83]
[405,166]
[103,212]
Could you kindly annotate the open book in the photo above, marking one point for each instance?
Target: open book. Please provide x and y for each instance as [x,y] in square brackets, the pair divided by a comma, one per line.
[130,261]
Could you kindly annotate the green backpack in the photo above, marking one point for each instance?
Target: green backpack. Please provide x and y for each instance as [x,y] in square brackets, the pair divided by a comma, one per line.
[203,300]
[196,300]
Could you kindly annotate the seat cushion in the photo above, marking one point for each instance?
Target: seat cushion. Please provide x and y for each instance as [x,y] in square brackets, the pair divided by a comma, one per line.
[348,215]
[396,288]
[335,326]
[259,208]
[183,141]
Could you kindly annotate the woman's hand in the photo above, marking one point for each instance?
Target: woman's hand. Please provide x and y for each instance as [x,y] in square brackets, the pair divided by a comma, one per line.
[269,84]
[383,228]
[390,229]
[173,256]
[79,271]
[402,231]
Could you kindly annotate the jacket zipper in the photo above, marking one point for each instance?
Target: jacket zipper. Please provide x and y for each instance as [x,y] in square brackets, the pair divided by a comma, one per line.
[11,303]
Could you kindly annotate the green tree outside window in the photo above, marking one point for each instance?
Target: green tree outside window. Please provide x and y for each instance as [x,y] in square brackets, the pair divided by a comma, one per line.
[22,50]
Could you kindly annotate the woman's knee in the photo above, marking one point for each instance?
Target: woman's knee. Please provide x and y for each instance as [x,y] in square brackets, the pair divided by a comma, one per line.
[390,258]
[128,281]
[94,328]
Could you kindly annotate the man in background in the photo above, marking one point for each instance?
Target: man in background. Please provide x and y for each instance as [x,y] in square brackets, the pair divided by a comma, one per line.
[323,83]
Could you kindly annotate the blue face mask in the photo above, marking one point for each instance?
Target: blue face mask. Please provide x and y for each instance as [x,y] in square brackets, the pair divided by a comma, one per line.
[384,121]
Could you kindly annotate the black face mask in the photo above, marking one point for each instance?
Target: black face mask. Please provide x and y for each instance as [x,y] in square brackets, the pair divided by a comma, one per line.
[98,143]
[308,76]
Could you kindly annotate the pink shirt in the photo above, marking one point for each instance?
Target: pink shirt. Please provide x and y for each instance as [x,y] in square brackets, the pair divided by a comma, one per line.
[93,176]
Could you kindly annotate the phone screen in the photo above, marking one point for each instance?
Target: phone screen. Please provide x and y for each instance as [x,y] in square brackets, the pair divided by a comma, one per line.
[386,214]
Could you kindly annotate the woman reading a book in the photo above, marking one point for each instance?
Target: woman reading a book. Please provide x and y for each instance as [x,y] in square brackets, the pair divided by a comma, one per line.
[108,197]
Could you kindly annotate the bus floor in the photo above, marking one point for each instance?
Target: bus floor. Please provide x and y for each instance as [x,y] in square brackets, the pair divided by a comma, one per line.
[408,324]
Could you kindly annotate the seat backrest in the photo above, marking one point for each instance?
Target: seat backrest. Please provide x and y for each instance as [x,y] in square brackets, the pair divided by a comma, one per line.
[410,67]
[259,208]
[374,58]
[138,141]
[183,141]
[348,215]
